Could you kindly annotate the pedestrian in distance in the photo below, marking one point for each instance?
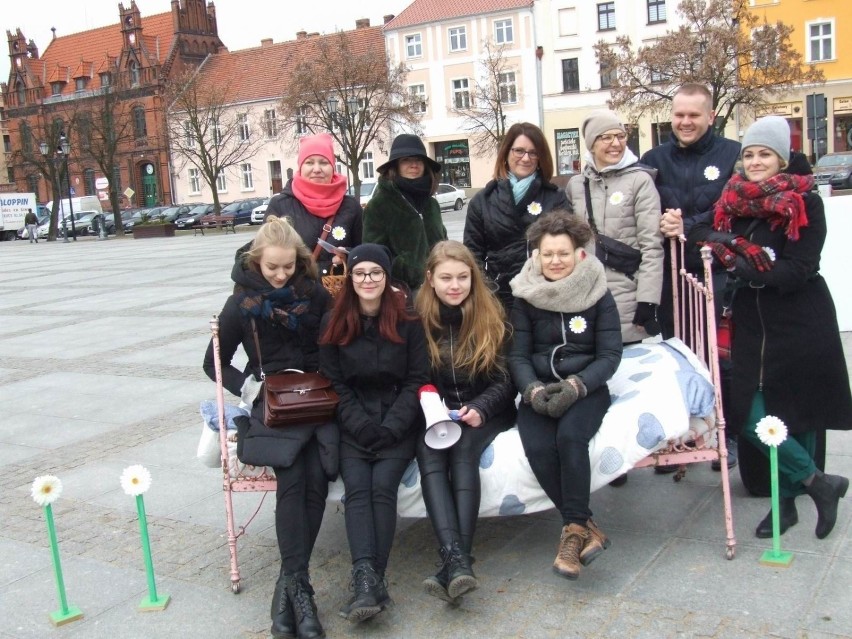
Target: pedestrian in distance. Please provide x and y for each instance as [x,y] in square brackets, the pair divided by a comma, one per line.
[768,231]
[520,191]
[31,222]
[374,352]
[278,304]
[566,344]
[467,336]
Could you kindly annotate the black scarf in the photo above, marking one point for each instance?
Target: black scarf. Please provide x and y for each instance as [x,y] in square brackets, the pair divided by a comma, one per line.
[416,190]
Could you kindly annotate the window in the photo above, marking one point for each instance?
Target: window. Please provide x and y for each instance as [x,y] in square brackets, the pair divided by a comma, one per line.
[106,79]
[7,144]
[820,41]
[116,177]
[270,123]
[508,87]
[10,174]
[413,46]
[217,132]
[89,181]
[84,130]
[657,76]
[606,16]
[80,84]
[364,107]
[22,93]
[418,97]
[367,171]
[243,126]
[56,88]
[503,33]
[134,73]
[461,94]
[302,120]
[32,184]
[608,77]
[570,75]
[140,129]
[194,181]
[246,182]
[765,41]
[221,182]
[656,11]
[458,39]
[26,138]
[190,135]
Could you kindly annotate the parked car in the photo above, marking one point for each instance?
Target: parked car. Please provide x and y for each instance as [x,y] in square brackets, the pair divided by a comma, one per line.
[193,217]
[241,209]
[172,213]
[450,197]
[82,223]
[834,169]
[368,188]
[258,213]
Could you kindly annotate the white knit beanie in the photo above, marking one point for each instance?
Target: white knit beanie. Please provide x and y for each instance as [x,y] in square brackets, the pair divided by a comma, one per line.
[598,123]
[771,131]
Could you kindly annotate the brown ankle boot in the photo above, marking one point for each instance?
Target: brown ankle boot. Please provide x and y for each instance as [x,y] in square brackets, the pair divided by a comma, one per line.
[567,562]
[596,543]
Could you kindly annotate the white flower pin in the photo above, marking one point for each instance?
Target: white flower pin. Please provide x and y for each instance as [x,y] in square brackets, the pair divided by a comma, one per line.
[771,430]
[768,250]
[712,173]
[534,208]
[577,324]
[135,480]
[616,198]
[338,233]
[46,489]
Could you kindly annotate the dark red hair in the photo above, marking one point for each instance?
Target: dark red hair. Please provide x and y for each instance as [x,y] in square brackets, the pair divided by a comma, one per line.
[344,324]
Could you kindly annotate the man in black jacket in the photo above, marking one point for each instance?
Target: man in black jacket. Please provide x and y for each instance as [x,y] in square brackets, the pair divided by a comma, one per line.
[692,169]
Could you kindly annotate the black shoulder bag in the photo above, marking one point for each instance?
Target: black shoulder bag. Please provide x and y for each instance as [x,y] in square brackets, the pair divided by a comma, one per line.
[613,253]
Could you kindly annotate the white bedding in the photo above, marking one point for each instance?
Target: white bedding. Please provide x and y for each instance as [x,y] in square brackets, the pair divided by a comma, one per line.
[661,392]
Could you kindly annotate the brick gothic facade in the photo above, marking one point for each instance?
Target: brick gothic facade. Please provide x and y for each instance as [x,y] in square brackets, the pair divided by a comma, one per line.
[63,89]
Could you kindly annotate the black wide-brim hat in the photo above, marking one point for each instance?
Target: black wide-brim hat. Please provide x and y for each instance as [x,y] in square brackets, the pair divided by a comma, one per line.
[409,146]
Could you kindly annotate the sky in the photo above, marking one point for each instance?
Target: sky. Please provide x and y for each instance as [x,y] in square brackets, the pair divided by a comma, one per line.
[242,23]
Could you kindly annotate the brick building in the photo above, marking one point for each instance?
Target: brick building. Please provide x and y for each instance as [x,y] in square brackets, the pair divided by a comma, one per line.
[66,89]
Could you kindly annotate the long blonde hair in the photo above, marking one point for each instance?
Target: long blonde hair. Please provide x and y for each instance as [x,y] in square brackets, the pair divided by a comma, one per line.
[483,329]
[277,231]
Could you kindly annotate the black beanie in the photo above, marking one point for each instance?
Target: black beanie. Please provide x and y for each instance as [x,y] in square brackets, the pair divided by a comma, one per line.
[370,253]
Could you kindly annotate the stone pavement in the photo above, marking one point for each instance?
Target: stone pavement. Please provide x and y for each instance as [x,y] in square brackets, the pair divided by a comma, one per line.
[100,367]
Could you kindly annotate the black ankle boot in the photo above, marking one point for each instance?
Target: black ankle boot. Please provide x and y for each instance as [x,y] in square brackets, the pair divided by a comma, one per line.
[826,491]
[301,596]
[367,593]
[283,621]
[460,577]
[437,584]
[787,516]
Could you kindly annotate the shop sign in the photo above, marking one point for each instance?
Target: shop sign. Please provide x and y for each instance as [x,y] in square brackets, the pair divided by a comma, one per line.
[842,105]
[567,150]
[784,109]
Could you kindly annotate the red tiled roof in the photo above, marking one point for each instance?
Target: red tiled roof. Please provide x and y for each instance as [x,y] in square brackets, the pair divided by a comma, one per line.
[95,44]
[423,11]
[264,72]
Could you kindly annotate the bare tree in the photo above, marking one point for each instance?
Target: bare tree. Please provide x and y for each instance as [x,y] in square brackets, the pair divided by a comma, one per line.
[356,95]
[206,130]
[721,44]
[482,109]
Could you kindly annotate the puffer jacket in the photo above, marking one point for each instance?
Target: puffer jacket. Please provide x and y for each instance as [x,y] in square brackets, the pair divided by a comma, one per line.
[626,207]
[495,227]
[346,225]
[491,395]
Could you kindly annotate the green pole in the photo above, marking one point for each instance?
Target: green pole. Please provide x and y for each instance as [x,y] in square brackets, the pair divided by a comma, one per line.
[152,601]
[65,613]
[775,557]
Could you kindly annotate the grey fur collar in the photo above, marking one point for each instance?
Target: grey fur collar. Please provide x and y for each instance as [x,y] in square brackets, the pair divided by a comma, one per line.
[579,291]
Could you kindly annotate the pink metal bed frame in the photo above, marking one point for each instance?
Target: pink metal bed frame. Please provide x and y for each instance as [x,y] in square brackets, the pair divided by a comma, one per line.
[695,325]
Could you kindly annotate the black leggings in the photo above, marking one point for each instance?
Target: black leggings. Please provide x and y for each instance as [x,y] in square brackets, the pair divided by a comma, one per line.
[299,506]
[450,482]
[371,487]
[558,452]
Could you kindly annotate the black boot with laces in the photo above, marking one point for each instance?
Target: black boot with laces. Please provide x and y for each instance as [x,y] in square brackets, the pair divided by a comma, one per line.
[301,596]
[369,596]
[283,621]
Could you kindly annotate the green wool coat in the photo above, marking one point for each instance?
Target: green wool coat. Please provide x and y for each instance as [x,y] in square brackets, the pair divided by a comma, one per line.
[410,234]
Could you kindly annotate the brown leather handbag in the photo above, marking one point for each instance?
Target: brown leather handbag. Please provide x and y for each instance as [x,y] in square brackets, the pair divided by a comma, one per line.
[294,398]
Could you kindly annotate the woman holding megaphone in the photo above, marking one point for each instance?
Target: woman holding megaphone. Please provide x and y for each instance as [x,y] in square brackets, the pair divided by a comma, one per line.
[466,335]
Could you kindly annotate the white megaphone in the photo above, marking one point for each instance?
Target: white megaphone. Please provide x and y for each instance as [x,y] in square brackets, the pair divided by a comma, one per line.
[441,431]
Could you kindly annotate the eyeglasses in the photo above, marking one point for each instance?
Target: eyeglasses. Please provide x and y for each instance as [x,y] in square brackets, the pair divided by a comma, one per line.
[562,256]
[607,138]
[520,152]
[359,277]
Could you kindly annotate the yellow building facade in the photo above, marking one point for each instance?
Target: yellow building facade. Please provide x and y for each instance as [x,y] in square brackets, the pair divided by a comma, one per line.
[821,33]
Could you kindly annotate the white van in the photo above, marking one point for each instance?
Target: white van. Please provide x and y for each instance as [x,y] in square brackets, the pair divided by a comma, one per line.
[77,204]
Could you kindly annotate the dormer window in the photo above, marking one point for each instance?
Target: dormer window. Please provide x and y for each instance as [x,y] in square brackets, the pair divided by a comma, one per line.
[56,87]
[80,84]
[106,79]
[134,73]
[22,93]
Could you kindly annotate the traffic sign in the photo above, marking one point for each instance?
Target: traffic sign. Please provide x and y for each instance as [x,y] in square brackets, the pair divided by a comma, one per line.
[102,183]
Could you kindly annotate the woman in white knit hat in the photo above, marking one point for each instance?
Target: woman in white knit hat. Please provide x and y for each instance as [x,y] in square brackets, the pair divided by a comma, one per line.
[768,230]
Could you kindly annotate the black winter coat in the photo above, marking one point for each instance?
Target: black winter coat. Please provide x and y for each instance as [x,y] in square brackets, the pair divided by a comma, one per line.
[281,348]
[377,382]
[309,226]
[544,348]
[493,396]
[495,228]
[786,339]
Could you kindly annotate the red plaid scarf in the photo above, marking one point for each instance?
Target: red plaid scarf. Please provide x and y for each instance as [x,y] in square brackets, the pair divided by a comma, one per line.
[779,199]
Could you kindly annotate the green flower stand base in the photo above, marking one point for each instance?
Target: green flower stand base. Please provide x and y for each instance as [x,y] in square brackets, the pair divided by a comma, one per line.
[160,603]
[60,618]
[772,558]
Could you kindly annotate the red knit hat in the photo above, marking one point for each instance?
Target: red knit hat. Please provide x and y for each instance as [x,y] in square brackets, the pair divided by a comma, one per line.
[321,144]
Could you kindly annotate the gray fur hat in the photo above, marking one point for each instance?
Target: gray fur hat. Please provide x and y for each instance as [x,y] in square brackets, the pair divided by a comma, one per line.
[771,131]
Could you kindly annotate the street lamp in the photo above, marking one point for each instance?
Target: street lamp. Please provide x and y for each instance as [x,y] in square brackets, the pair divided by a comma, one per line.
[60,159]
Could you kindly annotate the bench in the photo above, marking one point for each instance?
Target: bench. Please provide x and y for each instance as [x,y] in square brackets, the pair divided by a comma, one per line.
[224,222]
